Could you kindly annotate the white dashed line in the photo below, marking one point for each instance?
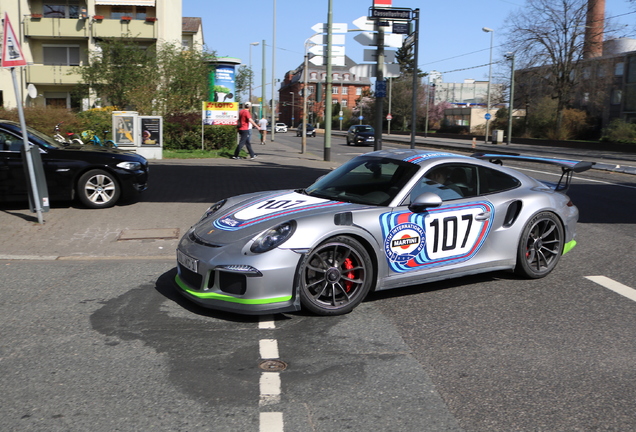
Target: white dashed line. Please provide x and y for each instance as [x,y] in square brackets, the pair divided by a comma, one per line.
[270,382]
[271,422]
[617,287]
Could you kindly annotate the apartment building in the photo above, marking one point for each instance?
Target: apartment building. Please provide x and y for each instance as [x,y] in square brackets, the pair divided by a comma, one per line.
[56,35]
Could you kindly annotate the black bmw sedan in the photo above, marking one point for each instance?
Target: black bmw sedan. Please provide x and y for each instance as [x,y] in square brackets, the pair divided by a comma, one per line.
[99,177]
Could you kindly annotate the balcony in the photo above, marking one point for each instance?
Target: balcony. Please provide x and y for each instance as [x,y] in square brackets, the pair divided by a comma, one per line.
[44,74]
[118,28]
[56,27]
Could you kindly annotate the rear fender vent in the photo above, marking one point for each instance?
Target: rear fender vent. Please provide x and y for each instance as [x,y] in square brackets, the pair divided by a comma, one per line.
[343,219]
[512,214]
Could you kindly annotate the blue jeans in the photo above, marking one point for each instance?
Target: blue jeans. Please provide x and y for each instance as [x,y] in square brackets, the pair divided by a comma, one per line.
[244,141]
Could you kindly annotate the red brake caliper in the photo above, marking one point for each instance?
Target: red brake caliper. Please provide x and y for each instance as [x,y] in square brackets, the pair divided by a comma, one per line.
[348,265]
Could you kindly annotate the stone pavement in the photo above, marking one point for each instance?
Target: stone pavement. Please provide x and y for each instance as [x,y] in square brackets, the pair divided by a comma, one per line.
[181,190]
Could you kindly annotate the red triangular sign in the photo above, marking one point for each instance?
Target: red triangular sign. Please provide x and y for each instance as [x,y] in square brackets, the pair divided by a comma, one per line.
[11,52]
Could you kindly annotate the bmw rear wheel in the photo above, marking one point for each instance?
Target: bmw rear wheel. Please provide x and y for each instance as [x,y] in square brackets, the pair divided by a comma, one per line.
[98,189]
[541,246]
[335,277]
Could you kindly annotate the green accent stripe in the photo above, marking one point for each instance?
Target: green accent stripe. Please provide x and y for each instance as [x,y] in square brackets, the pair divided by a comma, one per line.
[227,298]
[568,246]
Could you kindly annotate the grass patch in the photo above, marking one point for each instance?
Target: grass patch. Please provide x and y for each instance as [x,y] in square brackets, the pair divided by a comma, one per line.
[199,154]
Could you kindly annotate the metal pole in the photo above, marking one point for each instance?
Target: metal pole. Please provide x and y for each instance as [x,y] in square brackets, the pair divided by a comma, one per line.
[428,98]
[303,145]
[416,17]
[379,101]
[492,32]
[263,91]
[27,148]
[273,113]
[512,96]
[328,96]
[390,91]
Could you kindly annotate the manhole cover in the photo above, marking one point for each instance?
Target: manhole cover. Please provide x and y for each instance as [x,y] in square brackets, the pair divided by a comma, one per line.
[272,365]
[149,234]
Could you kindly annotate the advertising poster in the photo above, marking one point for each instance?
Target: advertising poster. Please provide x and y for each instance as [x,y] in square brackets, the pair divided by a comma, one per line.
[224,83]
[150,131]
[220,113]
[124,128]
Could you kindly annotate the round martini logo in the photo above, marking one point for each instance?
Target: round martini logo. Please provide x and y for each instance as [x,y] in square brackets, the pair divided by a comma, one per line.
[404,242]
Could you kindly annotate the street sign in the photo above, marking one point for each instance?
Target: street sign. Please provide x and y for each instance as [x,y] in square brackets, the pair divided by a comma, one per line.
[380,88]
[321,39]
[390,14]
[370,70]
[335,28]
[410,40]
[389,116]
[363,23]
[321,50]
[371,55]
[487,116]
[320,60]
[371,39]
[401,28]
[12,55]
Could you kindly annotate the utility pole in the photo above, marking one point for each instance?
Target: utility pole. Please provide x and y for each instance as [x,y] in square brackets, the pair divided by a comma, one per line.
[328,95]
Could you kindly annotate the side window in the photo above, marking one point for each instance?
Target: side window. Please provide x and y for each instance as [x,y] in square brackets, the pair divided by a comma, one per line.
[491,181]
[9,142]
[450,182]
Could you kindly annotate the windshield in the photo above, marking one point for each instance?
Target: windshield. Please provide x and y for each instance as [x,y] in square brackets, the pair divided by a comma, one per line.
[365,129]
[42,139]
[365,180]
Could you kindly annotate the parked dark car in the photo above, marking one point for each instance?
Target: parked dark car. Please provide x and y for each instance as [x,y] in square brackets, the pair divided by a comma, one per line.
[311,131]
[360,134]
[99,177]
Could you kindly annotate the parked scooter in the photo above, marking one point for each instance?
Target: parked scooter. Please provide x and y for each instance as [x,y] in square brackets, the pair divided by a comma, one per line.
[71,137]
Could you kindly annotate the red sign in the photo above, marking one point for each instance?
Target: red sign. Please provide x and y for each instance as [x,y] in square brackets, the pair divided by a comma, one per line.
[385,3]
[11,52]
[389,117]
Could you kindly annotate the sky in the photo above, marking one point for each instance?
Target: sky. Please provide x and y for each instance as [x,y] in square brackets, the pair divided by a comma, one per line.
[451,36]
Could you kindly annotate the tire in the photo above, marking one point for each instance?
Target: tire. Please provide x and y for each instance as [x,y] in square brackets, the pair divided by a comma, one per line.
[540,246]
[335,277]
[98,189]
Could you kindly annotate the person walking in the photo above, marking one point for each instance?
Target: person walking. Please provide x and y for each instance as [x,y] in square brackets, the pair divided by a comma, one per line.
[245,123]
[262,126]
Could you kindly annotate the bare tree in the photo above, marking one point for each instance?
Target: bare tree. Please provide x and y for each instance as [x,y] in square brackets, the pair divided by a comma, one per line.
[548,36]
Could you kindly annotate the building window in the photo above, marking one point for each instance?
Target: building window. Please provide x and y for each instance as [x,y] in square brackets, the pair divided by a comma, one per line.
[344,103]
[631,70]
[61,55]
[346,77]
[311,89]
[617,97]
[334,90]
[619,69]
[345,90]
[358,91]
[136,12]
[61,9]
[313,75]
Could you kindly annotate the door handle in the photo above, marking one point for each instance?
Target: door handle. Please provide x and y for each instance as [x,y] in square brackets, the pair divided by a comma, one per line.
[482,216]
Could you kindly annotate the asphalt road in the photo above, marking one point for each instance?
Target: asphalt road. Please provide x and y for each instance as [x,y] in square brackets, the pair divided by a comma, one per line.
[107,344]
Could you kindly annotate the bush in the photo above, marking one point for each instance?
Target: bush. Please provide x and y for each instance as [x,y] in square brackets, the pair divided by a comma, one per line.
[44,119]
[620,131]
[221,137]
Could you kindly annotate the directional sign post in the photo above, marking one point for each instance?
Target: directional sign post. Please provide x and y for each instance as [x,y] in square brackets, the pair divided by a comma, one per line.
[13,57]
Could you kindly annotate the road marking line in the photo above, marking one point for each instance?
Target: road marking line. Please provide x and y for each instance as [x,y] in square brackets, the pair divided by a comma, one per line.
[271,422]
[267,322]
[270,388]
[617,287]
[268,349]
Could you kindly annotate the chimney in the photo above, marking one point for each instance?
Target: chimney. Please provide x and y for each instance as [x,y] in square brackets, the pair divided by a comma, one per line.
[594,29]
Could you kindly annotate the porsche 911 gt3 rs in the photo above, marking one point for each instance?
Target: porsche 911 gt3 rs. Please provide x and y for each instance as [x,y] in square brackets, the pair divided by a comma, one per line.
[383,220]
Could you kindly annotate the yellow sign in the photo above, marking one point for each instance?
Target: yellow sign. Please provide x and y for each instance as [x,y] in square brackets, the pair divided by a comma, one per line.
[220,113]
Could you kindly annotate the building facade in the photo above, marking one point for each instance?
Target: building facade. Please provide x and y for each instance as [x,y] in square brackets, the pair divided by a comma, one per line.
[57,35]
[347,88]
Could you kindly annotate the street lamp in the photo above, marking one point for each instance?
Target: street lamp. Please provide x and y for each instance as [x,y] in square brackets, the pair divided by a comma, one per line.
[492,32]
[292,116]
[251,74]
[511,57]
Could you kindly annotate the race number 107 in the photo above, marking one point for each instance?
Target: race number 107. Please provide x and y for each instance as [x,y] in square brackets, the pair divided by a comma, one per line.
[451,234]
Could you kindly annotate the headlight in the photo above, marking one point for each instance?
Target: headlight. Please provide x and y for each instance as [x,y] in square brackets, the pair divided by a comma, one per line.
[273,237]
[213,208]
[129,165]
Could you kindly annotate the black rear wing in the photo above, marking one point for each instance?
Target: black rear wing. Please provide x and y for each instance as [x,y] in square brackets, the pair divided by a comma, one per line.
[567,166]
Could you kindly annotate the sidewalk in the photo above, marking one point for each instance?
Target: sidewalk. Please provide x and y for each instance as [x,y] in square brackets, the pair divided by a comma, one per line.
[181,190]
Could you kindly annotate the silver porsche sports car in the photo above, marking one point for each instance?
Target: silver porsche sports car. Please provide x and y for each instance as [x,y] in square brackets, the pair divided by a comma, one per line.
[383,220]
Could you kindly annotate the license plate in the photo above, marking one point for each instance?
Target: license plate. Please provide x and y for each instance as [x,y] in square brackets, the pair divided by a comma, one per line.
[187,261]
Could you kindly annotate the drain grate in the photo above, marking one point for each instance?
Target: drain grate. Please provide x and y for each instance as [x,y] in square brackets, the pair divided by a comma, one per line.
[273,365]
[149,234]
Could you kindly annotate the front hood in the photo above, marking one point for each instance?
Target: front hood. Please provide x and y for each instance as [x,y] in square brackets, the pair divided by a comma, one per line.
[364,135]
[254,213]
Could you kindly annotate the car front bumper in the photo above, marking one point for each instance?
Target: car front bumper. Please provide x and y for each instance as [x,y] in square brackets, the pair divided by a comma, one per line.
[231,281]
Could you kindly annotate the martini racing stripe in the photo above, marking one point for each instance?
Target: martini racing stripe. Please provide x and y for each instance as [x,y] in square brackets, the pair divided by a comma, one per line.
[441,236]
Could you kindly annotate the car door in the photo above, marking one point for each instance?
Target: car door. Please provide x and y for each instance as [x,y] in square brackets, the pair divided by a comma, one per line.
[12,173]
[446,238]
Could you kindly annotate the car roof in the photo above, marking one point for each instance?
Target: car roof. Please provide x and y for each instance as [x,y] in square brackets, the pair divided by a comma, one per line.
[419,156]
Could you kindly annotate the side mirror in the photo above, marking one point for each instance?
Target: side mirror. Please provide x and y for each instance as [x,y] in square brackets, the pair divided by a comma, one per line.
[424,201]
